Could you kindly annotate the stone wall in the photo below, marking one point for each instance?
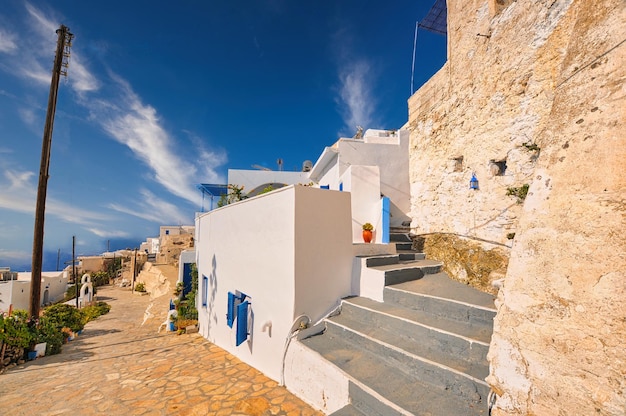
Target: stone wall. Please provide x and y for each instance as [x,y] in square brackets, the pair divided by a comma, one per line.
[541,88]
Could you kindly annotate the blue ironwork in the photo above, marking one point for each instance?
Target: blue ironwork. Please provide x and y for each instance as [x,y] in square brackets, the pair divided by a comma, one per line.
[212,190]
[436,20]
[242,323]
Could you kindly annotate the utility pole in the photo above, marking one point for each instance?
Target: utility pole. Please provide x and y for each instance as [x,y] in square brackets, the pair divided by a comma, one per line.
[64,42]
[74,267]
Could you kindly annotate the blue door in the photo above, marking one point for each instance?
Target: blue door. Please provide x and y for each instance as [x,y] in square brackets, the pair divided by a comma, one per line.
[186,278]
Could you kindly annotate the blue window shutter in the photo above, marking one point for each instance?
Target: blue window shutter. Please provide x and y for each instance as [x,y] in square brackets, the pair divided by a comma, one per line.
[242,322]
[230,313]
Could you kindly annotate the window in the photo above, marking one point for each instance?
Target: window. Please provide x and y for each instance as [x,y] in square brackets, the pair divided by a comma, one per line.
[205,290]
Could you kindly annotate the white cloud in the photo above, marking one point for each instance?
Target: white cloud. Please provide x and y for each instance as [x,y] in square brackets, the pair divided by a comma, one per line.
[138,126]
[109,233]
[81,79]
[21,193]
[14,255]
[7,42]
[28,116]
[42,24]
[152,208]
[356,99]
[123,116]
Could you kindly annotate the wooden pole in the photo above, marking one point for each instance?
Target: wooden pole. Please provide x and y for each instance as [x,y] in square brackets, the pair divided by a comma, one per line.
[74,267]
[40,209]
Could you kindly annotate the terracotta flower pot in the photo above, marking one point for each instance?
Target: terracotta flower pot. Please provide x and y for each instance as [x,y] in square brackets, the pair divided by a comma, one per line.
[367,236]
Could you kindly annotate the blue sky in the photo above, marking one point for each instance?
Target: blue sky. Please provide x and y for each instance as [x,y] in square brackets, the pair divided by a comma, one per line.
[163,95]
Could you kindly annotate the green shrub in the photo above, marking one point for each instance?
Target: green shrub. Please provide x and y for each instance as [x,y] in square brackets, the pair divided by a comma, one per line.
[62,315]
[17,330]
[99,278]
[519,192]
[91,312]
[50,334]
[140,287]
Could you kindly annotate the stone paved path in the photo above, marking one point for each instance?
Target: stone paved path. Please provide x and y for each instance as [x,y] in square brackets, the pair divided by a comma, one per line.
[120,367]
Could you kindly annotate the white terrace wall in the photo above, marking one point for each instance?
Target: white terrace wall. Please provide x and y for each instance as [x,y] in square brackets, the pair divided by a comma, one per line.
[551,74]
[251,179]
[290,250]
[17,292]
[388,150]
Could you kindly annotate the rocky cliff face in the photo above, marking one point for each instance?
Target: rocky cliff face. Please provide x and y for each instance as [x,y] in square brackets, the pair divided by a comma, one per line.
[541,91]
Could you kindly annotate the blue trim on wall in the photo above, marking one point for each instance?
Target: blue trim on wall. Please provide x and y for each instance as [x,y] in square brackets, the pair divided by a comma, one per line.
[386,215]
[324,186]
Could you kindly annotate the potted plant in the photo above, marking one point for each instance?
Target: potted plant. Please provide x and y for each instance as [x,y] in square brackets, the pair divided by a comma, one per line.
[367,232]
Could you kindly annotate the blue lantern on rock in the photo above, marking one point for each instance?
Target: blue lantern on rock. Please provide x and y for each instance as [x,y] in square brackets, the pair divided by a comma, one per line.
[473,182]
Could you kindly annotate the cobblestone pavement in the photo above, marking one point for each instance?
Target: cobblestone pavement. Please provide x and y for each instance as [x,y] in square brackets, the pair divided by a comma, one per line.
[118,366]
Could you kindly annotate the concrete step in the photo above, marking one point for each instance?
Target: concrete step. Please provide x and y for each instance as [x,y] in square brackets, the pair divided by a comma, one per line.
[433,340]
[400,237]
[378,387]
[407,255]
[394,350]
[347,410]
[372,261]
[404,245]
[406,271]
[442,297]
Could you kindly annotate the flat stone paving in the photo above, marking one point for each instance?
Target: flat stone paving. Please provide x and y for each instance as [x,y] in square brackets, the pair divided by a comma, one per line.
[118,366]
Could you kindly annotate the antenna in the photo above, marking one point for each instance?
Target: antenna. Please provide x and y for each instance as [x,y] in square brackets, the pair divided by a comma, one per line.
[413,65]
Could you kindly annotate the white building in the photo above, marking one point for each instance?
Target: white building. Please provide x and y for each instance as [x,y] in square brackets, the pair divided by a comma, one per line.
[271,263]
[17,292]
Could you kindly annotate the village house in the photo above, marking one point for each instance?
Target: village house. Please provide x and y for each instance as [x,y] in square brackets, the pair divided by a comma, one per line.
[513,152]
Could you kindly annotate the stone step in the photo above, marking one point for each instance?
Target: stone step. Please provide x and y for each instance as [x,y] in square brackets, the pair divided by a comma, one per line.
[400,237]
[435,340]
[407,255]
[404,246]
[394,350]
[347,410]
[382,260]
[442,297]
[378,387]
[408,271]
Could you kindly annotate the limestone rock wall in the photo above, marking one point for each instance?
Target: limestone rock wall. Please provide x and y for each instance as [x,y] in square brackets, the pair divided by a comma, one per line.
[548,74]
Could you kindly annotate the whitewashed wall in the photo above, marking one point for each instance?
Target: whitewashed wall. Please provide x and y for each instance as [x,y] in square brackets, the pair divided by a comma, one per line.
[385,149]
[250,179]
[363,183]
[289,250]
[17,292]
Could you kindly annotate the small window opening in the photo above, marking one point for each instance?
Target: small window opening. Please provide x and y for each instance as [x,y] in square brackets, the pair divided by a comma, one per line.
[457,164]
[497,167]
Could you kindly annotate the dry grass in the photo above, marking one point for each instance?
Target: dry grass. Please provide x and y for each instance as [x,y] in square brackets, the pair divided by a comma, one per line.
[464,260]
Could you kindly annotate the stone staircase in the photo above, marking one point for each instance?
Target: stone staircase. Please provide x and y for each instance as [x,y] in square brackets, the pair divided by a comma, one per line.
[421,351]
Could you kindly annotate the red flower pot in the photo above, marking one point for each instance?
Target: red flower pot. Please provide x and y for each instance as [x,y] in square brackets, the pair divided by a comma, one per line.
[367,236]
